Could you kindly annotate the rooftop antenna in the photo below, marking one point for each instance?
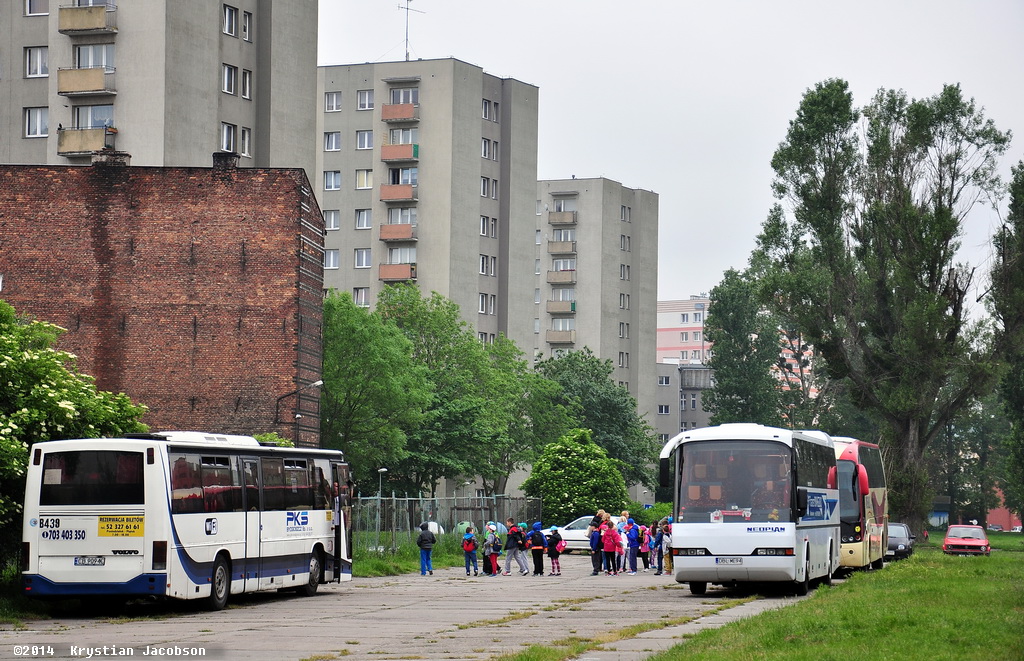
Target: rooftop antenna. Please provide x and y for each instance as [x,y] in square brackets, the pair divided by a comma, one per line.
[408,9]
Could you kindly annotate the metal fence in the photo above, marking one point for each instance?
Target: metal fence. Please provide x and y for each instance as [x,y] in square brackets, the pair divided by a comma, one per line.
[383,523]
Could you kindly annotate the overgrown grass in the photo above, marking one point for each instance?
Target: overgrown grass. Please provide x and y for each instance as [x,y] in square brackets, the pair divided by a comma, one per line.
[406,558]
[931,606]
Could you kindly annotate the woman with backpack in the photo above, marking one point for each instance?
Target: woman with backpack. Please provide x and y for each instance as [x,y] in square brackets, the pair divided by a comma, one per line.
[555,547]
[469,550]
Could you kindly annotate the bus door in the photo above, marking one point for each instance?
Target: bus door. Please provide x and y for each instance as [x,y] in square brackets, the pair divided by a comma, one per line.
[342,518]
[253,509]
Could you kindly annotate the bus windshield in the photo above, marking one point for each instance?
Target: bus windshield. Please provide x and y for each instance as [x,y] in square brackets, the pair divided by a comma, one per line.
[849,501]
[92,477]
[735,482]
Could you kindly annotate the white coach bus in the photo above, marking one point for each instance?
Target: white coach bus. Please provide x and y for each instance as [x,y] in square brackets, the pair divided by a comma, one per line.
[752,504]
[186,515]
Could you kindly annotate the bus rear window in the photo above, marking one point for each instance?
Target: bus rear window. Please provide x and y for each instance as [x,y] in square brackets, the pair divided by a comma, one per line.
[92,477]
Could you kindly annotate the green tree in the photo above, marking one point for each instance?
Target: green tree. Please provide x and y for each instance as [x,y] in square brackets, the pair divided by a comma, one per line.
[374,392]
[746,341]
[868,257]
[574,476]
[607,409]
[45,398]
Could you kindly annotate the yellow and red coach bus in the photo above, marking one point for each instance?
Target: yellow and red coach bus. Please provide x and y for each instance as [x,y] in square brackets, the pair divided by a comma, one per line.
[863,503]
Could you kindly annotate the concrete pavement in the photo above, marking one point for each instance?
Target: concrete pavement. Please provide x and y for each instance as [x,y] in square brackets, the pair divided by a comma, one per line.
[444,616]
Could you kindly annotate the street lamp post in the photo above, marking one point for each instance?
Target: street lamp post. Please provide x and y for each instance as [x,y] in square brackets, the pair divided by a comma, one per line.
[380,499]
[277,407]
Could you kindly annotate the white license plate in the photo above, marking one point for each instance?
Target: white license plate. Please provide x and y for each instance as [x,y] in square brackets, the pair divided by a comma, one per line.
[90,561]
[728,561]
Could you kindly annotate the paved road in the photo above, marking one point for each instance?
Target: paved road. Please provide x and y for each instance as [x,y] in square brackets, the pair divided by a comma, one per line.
[444,616]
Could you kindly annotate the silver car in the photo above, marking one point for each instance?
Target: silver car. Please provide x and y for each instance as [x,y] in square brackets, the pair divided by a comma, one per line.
[575,534]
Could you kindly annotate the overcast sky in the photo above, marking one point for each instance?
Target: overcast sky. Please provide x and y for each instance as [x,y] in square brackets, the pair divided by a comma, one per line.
[690,99]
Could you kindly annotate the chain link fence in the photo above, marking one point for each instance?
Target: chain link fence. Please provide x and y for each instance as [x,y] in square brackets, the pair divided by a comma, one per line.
[386,523]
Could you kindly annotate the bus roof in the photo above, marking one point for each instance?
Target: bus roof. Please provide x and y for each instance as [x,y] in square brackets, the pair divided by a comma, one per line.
[198,438]
[744,431]
[847,447]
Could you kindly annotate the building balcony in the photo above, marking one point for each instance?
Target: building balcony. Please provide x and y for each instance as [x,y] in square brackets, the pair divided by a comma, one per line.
[398,193]
[397,272]
[392,153]
[400,112]
[560,337]
[89,81]
[562,217]
[561,307]
[561,277]
[561,247]
[88,20]
[81,142]
[398,232]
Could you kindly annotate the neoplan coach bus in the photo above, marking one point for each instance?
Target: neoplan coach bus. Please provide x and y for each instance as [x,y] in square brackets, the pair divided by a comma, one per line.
[752,504]
[186,515]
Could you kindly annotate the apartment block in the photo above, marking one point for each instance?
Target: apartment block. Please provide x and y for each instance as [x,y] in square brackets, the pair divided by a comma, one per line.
[427,173]
[167,81]
[196,291]
[596,268]
[681,331]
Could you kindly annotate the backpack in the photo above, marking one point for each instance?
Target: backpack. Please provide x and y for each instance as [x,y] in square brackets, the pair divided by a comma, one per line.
[537,539]
[469,545]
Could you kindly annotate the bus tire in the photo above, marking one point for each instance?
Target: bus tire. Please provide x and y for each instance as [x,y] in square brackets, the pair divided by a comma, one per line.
[316,573]
[827,578]
[804,586]
[220,585]
[698,587]
[878,564]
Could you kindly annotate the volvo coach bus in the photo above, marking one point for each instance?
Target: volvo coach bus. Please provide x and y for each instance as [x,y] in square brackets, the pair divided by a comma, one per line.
[863,504]
[186,515]
[752,504]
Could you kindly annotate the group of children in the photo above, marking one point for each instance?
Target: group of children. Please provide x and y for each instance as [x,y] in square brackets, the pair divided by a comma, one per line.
[615,546]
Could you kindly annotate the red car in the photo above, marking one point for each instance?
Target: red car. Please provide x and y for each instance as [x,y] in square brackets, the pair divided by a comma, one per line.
[966,540]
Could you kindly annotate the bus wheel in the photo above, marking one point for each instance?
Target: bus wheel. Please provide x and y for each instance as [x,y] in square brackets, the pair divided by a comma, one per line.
[698,587]
[804,586]
[220,585]
[827,579]
[878,564]
[316,571]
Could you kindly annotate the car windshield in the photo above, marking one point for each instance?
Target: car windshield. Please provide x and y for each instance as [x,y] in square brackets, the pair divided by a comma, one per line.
[898,531]
[966,533]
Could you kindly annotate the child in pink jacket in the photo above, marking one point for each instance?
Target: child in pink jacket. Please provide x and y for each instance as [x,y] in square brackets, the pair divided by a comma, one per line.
[610,542]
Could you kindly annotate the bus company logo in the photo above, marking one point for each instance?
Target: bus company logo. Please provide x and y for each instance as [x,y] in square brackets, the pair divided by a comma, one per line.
[820,508]
[212,527]
[297,522]
[124,551]
[766,528]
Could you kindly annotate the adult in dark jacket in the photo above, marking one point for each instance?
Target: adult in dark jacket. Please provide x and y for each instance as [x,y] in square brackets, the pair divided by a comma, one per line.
[595,550]
[426,542]
[632,544]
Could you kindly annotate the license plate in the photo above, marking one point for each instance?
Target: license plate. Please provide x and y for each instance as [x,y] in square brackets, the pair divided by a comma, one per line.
[728,561]
[90,561]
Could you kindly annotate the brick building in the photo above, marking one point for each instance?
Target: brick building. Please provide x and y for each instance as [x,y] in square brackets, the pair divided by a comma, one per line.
[196,291]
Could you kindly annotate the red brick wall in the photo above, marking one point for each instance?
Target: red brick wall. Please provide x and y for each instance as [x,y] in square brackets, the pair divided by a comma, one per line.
[196,291]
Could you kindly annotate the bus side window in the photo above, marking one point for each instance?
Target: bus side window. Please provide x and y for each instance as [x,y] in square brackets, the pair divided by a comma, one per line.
[186,484]
[273,483]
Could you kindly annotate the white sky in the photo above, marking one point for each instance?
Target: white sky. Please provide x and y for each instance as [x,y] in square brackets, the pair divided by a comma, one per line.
[690,99]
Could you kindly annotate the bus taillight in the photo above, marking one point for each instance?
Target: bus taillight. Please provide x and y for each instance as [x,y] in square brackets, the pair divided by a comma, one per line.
[159,555]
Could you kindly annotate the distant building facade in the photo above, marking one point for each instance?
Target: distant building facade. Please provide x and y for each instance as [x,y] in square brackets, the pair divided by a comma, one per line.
[196,291]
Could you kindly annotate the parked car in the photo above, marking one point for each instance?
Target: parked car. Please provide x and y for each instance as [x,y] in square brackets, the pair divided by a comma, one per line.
[901,542]
[575,534]
[966,540]
[1015,529]
[995,527]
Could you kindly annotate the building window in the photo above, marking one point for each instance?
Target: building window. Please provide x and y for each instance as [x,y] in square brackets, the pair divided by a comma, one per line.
[696,336]
[536,267]
[684,318]
[494,266]
[230,20]
[332,141]
[494,189]
[693,402]
[624,242]
[364,100]
[229,82]
[332,219]
[364,179]
[406,255]
[93,117]
[330,259]
[95,55]
[492,304]
[623,271]
[404,136]
[536,295]
[625,214]
[564,264]
[698,317]
[364,219]
[563,294]
[485,187]
[405,95]
[664,380]
[403,176]
[662,409]
[623,359]
[494,228]
[364,139]
[482,337]
[37,122]
[246,84]
[536,326]
[623,301]
[485,148]
[361,296]
[402,216]
[332,101]
[538,237]
[485,224]
[494,150]
[684,336]
[489,110]
[484,262]
[684,355]
[228,137]
[563,235]
[332,180]
[37,62]
[482,303]
[563,324]
[624,330]
[362,258]
[247,26]
[37,7]
[562,204]
[245,142]
[695,354]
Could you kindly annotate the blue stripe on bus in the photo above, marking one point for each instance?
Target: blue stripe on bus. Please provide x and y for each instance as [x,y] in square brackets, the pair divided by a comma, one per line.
[281,565]
[144,584]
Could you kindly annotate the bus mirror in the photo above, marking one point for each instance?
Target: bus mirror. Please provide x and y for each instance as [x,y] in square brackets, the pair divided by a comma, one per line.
[663,472]
[801,502]
[831,484]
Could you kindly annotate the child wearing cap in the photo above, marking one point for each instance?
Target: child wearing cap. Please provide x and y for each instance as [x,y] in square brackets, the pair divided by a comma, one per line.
[554,550]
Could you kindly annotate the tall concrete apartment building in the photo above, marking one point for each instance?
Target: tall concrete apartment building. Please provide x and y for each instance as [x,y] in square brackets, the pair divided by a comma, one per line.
[596,263]
[166,81]
[683,374]
[427,172]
